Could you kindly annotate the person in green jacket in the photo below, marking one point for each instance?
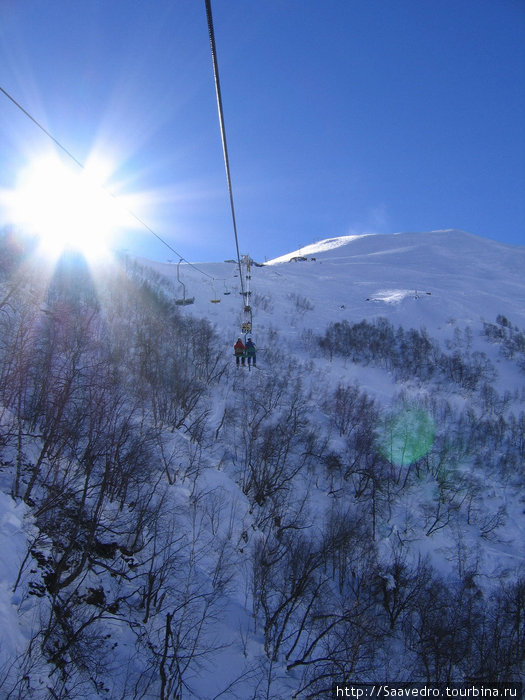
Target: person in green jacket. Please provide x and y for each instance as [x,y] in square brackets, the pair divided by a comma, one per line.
[250,352]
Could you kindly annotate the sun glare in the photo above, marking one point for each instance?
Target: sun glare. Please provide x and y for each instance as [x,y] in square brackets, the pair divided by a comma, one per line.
[67,207]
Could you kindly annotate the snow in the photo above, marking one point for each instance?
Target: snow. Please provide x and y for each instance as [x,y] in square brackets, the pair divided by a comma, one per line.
[316,248]
[13,547]
[442,281]
[454,275]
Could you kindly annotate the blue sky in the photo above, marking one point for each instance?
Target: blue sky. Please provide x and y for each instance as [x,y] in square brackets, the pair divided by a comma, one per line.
[342,116]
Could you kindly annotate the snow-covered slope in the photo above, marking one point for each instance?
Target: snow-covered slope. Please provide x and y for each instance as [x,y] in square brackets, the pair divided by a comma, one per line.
[293,474]
[413,279]
[449,283]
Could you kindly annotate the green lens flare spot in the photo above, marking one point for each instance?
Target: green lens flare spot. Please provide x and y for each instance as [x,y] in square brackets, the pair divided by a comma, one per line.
[406,435]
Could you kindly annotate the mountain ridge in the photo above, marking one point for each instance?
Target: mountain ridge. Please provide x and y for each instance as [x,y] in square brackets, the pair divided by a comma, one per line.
[415,279]
[457,237]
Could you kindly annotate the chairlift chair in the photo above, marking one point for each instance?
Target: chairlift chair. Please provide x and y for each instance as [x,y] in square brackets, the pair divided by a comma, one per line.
[215,300]
[184,301]
[246,325]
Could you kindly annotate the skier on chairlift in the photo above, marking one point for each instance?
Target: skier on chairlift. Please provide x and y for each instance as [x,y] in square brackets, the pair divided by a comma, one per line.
[238,350]
[250,352]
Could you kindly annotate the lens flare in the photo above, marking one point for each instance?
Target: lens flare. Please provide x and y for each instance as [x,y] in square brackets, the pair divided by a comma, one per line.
[406,435]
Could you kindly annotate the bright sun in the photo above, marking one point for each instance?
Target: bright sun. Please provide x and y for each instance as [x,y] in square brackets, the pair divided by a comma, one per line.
[67,207]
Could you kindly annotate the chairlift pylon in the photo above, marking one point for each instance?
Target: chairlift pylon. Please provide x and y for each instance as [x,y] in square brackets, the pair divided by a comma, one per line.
[247,321]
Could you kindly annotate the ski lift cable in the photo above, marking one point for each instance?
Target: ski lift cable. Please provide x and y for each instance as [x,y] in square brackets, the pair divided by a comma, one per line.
[223,132]
[83,167]
[42,128]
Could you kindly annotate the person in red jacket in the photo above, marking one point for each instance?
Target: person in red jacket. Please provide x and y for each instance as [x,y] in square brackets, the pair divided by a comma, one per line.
[239,349]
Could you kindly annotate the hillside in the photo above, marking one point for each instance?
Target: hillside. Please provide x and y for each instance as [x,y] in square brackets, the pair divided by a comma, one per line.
[172,525]
[468,277]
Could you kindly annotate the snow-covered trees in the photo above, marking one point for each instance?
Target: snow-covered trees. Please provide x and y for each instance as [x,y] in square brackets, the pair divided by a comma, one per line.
[406,353]
[173,500]
[91,372]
